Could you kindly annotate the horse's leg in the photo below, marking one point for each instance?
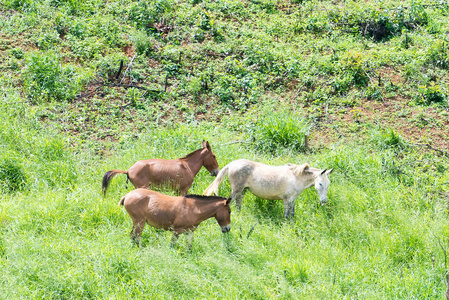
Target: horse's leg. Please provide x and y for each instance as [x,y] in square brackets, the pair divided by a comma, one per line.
[136,231]
[237,191]
[238,194]
[289,208]
[292,209]
[189,239]
[174,238]
[286,208]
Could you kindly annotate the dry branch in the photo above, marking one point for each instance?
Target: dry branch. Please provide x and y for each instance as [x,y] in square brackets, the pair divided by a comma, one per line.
[88,94]
[119,70]
[428,146]
[236,142]
[129,66]
[132,86]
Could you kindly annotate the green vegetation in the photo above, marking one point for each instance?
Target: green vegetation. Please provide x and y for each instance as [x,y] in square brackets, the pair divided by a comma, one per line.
[89,86]
[279,131]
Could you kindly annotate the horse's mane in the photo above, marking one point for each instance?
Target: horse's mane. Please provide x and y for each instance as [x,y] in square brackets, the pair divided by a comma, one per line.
[192,153]
[208,198]
[299,169]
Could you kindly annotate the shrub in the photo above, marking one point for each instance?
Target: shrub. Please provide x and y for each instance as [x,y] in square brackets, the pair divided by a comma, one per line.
[142,42]
[388,139]
[268,5]
[382,24]
[356,68]
[432,93]
[373,93]
[108,66]
[17,53]
[143,14]
[48,40]
[224,89]
[73,7]
[378,23]
[199,35]
[274,132]
[87,48]
[44,78]
[263,59]
[438,55]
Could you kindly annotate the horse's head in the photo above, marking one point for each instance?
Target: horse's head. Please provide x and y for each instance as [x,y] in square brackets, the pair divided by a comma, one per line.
[209,161]
[321,184]
[223,216]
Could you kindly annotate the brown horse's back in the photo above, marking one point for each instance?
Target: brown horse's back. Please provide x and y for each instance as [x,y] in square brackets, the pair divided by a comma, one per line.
[158,210]
[159,172]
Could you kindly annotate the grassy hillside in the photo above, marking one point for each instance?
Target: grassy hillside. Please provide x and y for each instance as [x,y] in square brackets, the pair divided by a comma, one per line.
[89,86]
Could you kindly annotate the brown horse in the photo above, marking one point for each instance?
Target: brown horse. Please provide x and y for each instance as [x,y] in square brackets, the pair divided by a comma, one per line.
[177,174]
[178,214]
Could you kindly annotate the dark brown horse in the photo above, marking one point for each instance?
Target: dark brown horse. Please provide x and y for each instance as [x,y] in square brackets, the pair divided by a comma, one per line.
[178,214]
[177,174]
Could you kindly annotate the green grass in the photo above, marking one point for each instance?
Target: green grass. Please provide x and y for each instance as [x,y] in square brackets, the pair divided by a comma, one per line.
[252,78]
[376,238]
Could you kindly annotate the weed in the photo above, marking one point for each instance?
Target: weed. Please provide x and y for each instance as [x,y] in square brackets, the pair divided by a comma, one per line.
[12,176]
[142,42]
[45,79]
[387,138]
[438,55]
[355,66]
[144,14]
[274,132]
[17,53]
[18,4]
[431,93]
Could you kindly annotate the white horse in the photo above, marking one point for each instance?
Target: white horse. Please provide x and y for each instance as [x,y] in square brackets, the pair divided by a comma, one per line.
[272,182]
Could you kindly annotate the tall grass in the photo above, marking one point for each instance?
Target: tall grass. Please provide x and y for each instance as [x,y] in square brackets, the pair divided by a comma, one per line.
[274,132]
[30,157]
[45,79]
[376,239]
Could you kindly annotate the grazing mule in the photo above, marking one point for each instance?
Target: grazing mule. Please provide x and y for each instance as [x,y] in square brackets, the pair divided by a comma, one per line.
[178,214]
[272,182]
[177,174]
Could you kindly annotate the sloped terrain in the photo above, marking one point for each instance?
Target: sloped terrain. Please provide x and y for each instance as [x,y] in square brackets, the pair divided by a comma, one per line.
[361,87]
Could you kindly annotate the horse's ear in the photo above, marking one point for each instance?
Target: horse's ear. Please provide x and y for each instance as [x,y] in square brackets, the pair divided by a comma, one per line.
[305,168]
[324,171]
[208,146]
[228,201]
[204,144]
[329,171]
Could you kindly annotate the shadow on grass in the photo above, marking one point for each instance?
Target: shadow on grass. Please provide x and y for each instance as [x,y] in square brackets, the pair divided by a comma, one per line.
[269,210]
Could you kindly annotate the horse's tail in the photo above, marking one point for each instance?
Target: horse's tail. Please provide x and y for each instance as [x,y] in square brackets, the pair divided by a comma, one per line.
[108,176]
[213,188]
[122,201]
